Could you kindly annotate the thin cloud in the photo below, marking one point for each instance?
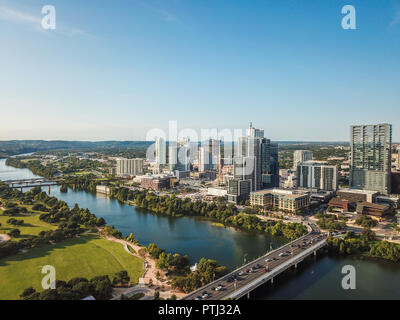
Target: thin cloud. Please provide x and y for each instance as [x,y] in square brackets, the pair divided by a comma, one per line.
[15,16]
[396,17]
[164,14]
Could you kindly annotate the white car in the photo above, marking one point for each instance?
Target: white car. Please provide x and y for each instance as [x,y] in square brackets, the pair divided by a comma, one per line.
[268,260]
[281,254]
[218,288]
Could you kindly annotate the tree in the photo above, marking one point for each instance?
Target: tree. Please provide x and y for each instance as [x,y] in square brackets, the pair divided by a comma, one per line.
[131,238]
[121,277]
[14,233]
[367,235]
[27,292]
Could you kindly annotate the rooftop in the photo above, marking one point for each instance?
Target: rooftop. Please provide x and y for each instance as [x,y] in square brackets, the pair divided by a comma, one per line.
[287,193]
[358,191]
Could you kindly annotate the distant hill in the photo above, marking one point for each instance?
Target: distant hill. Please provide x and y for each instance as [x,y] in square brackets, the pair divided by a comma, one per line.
[12,147]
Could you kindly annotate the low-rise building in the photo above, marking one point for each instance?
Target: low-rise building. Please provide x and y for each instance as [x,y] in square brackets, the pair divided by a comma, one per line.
[103,189]
[156,183]
[322,196]
[392,201]
[357,195]
[280,199]
[341,205]
[374,209]
[218,192]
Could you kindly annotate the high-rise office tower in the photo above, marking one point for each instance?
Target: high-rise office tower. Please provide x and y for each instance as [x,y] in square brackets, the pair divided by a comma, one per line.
[253,132]
[316,175]
[160,152]
[370,157]
[209,155]
[300,156]
[179,155]
[257,160]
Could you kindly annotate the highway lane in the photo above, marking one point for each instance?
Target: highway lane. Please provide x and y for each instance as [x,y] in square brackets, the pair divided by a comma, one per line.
[289,251]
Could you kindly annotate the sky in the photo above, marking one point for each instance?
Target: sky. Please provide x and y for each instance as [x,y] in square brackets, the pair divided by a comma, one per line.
[115,69]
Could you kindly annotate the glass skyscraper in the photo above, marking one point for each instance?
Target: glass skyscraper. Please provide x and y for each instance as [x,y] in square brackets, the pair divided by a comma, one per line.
[257,160]
[371,156]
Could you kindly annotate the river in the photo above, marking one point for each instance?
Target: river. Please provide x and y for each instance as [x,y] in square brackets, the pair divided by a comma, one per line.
[316,279]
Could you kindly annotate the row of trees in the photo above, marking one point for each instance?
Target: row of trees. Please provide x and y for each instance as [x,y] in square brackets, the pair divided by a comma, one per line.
[206,272]
[220,211]
[330,222]
[78,288]
[364,244]
[70,222]
[35,166]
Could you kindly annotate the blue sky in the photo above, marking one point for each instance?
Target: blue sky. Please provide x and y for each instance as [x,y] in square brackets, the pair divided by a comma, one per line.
[114,69]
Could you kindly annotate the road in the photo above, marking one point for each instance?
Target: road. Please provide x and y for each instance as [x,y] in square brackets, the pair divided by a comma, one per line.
[260,266]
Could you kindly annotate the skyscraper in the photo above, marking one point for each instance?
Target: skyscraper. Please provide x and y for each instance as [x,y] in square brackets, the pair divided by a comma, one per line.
[179,155]
[257,160]
[209,155]
[160,153]
[371,154]
[300,156]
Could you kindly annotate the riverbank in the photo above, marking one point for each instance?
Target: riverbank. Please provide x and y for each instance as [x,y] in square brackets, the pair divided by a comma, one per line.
[151,276]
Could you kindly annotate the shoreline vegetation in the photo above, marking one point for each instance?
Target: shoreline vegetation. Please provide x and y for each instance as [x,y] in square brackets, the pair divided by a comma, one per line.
[216,212]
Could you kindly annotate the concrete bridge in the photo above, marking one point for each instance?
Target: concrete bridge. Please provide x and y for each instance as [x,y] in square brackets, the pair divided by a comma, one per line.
[244,280]
[30,183]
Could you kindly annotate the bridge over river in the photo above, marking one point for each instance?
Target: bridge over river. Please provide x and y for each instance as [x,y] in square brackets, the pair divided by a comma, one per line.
[35,182]
[245,279]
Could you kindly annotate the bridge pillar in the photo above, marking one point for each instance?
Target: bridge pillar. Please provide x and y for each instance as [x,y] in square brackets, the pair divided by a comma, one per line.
[248,295]
[49,189]
[315,253]
[272,280]
[295,265]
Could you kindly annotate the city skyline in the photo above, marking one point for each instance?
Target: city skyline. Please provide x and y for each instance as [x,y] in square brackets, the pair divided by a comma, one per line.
[114,71]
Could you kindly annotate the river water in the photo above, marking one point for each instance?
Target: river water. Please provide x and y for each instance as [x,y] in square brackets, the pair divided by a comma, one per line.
[318,278]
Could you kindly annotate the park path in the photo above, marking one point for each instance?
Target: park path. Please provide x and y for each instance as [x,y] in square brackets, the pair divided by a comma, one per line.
[150,274]
[4,237]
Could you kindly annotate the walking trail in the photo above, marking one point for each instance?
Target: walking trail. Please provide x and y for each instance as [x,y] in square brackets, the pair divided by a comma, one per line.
[150,274]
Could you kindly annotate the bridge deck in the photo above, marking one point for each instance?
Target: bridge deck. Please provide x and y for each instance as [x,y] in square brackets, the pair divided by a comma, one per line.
[280,260]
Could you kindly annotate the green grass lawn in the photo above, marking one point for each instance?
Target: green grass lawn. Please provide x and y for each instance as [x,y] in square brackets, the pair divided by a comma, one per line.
[31,227]
[87,256]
